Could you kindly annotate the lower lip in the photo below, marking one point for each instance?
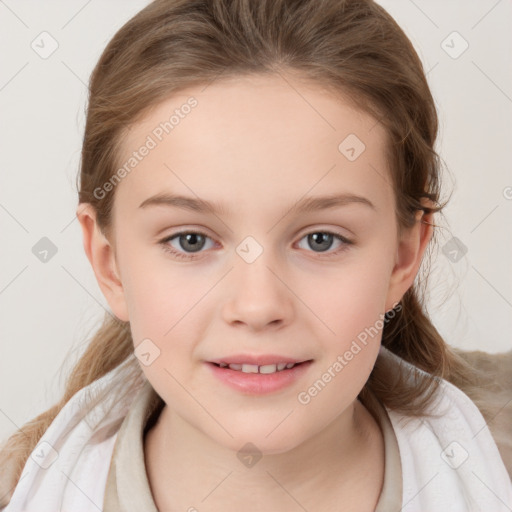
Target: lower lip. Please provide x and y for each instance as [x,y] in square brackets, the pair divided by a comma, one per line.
[259,383]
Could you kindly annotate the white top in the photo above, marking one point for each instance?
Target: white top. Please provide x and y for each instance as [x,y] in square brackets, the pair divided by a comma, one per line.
[449,462]
[128,488]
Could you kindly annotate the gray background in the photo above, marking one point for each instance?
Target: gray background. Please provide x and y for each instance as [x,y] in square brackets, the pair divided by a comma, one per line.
[48,309]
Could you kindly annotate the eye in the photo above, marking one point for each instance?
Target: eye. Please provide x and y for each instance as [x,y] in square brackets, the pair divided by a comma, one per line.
[323,241]
[185,244]
[185,241]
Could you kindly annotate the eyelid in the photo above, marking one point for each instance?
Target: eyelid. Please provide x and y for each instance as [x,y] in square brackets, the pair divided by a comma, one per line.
[319,228]
[312,228]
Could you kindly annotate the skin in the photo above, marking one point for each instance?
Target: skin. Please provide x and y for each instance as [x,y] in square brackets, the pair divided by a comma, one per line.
[256,146]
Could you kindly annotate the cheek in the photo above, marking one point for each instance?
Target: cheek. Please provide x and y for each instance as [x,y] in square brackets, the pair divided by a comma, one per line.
[353,308]
[158,293]
[351,297]
[168,315]
[164,311]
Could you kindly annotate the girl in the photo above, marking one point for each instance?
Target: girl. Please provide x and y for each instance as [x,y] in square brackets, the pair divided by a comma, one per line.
[257,192]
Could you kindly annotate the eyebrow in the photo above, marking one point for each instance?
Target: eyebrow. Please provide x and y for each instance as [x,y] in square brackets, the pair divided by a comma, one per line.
[306,204]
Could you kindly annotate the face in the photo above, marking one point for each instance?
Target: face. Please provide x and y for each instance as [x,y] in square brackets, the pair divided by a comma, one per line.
[269,270]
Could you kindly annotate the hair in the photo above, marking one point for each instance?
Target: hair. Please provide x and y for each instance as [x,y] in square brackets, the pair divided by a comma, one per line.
[353,48]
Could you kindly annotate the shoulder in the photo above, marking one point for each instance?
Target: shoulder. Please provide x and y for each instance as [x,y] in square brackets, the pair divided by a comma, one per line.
[449,457]
[494,400]
[77,447]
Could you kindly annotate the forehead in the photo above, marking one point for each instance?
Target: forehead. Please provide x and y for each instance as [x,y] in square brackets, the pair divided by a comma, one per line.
[255,139]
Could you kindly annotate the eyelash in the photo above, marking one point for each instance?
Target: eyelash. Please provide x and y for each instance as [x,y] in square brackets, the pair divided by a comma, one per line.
[190,256]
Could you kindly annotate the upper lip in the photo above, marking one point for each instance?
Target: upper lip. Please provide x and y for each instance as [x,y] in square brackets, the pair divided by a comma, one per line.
[260,360]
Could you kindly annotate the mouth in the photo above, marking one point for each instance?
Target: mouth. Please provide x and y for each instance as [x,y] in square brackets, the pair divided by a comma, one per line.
[250,378]
[264,369]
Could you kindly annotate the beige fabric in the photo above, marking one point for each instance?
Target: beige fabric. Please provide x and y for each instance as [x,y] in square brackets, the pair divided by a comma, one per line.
[127,488]
[494,397]
[390,499]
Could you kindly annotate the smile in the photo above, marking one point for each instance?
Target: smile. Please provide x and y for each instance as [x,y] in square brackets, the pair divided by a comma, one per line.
[254,368]
[253,379]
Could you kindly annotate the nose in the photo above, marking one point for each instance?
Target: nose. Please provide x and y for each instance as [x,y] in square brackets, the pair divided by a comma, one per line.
[258,297]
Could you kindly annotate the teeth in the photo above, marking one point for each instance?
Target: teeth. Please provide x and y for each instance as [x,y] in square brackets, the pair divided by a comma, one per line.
[254,368]
[250,368]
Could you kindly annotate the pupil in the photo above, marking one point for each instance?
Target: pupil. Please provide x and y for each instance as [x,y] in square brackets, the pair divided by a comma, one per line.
[323,240]
[192,240]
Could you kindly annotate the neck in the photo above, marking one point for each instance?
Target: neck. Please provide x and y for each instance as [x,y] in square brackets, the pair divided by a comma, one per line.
[185,466]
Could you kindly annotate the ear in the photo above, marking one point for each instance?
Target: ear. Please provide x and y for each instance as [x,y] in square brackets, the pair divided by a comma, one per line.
[409,254]
[101,256]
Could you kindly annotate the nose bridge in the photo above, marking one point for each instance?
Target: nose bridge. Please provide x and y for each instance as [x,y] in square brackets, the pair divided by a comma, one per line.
[253,266]
[257,296]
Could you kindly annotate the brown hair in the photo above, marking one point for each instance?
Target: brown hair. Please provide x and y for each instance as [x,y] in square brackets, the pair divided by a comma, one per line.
[352,47]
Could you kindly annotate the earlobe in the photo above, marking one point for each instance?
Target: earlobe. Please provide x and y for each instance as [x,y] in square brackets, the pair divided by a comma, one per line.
[409,254]
[101,256]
